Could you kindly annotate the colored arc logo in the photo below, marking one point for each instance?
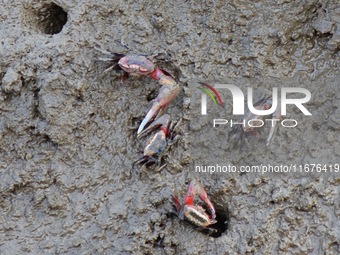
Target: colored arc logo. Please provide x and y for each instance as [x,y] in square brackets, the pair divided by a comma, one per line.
[211,92]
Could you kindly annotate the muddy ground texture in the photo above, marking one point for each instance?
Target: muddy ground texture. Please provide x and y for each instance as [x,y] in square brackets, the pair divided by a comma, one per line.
[66,143]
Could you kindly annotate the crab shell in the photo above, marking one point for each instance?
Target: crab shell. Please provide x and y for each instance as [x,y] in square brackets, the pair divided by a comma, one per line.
[156,144]
[136,65]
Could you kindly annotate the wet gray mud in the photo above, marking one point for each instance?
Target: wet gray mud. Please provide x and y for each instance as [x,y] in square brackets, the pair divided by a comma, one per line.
[66,143]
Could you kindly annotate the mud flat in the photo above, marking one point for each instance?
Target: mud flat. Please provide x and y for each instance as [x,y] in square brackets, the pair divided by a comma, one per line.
[66,148]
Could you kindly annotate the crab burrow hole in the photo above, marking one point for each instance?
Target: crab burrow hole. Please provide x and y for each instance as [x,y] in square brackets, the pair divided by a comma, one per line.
[222,218]
[44,17]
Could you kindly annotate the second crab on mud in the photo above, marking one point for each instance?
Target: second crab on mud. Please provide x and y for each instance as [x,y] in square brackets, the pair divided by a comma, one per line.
[164,136]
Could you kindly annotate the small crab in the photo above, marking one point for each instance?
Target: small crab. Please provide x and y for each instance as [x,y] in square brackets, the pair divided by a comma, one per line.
[138,65]
[194,213]
[264,103]
[157,143]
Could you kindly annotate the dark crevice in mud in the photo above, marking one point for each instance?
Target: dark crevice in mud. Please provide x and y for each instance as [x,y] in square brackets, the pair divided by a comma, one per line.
[2,74]
[19,187]
[8,96]
[152,95]
[159,242]
[80,98]
[41,139]
[52,19]
[134,123]
[327,35]
[46,139]
[216,230]
[323,38]
[48,18]
[35,109]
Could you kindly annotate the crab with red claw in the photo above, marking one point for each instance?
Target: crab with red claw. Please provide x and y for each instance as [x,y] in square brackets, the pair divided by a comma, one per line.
[139,65]
[156,145]
[195,213]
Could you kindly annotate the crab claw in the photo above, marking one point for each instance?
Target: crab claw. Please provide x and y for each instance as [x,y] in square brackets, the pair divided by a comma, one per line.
[196,188]
[197,215]
[167,94]
[155,110]
[162,122]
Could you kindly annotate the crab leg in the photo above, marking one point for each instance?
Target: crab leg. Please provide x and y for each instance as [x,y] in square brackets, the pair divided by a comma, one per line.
[277,116]
[176,202]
